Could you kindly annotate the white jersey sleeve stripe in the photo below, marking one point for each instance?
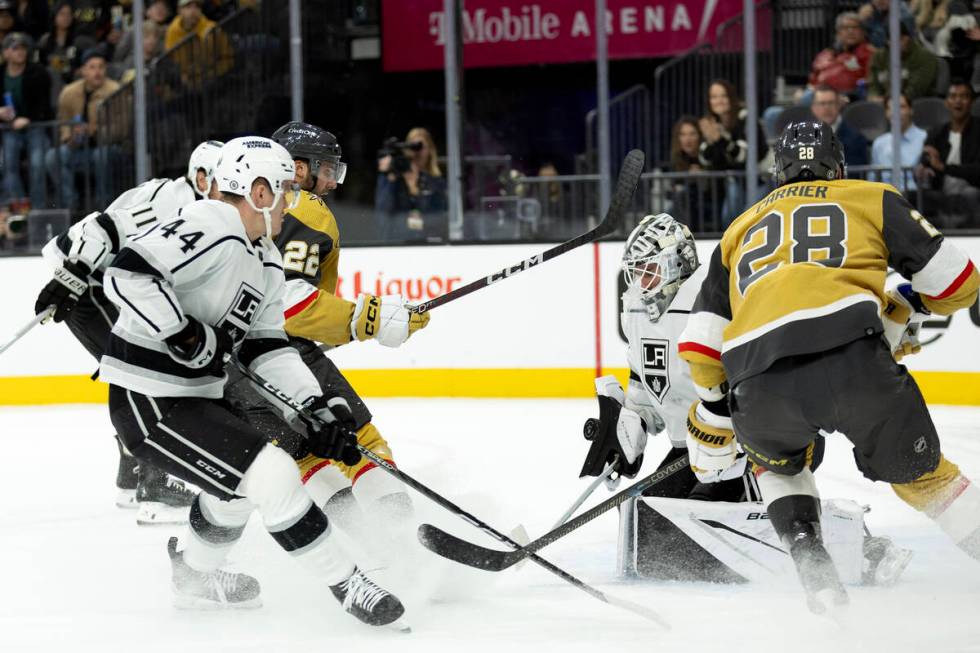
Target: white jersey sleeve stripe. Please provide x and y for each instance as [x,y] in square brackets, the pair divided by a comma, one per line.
[942,270]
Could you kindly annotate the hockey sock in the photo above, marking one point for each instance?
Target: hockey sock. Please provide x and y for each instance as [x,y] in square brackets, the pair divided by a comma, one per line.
[273,484]
[214,526]
[951,500]
[378,491]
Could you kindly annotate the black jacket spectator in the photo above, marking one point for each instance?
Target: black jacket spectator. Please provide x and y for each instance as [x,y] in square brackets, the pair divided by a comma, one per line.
[36,89]
[969,168]
[93,18]
[855,145]
[32,17]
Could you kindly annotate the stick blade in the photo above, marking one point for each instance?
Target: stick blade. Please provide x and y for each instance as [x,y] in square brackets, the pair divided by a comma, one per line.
[458,550]
[629,179]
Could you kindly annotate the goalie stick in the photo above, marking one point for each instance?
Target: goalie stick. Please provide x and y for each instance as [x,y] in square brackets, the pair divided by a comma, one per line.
[473,555]
[285,399]
[629,177]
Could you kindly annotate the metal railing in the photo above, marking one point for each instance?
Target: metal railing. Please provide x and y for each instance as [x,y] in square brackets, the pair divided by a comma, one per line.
[213,87]
[680,86]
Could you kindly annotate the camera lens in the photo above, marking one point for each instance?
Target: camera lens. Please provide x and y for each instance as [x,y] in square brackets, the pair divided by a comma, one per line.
[17,224]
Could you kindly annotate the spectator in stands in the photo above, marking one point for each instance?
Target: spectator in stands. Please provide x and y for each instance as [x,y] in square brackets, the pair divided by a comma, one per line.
[209,56]
[956,38]
[8,19]
[159,13]
[93,18]
[60,49]
[919,67]
[913,139]
[32,16]
[950,166]
[724,146]
[410,200]
[30,90]
[690,197]
[81,149]
[846,62]
[826,106]
[125,69]
[874,17]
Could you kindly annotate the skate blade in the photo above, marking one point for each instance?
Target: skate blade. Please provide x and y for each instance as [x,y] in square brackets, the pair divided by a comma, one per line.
[828,603]
[891,568]
[152,513]
[400,625]
[184,602]
[126,499]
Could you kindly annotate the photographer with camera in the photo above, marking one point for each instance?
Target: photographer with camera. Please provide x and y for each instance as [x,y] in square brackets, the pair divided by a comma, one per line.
[410,201]
[950,164]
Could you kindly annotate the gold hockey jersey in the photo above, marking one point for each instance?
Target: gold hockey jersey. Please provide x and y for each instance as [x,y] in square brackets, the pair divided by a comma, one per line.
[310,246]
[803,271]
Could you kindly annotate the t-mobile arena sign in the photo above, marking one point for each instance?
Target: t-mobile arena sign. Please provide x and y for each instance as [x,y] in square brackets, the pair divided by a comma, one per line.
[516,33]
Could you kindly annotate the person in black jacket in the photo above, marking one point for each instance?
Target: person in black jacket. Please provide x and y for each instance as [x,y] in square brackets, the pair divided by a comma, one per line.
[410,202]
[27,86]
[950,166]
[826,106]
[725,145]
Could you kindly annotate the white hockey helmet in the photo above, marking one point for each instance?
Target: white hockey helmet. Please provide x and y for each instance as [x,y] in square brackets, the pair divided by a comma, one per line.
[204,157]
[659,256]
[245,159]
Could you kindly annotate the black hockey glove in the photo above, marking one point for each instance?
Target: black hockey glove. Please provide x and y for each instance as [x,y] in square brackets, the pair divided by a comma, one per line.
[331,433]
[201,346]
[63,291]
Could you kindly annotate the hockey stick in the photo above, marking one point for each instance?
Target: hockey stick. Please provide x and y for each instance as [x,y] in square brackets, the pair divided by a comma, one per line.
[629,177]
[449,546]
[285,399]
[43,316]
[588,492]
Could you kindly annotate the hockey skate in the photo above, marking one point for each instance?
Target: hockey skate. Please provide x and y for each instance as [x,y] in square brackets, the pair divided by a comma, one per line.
[213,590]
[883,561]
[824,591]
[127,478]
[368,602]
[162,498]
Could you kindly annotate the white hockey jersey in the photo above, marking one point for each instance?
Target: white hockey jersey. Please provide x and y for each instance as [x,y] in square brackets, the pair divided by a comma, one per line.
[198,262]
[660,389]
[98,237]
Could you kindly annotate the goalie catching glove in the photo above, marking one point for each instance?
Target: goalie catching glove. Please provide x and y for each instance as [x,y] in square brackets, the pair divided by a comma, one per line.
[711,443]
[64,290]
[902,318]
[385,319]
[621,435]
[330,432]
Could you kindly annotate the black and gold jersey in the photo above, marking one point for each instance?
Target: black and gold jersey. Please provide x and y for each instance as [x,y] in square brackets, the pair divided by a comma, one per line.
[310,246]
[803,271]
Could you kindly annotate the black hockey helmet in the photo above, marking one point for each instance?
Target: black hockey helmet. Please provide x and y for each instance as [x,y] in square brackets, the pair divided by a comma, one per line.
[312,144]
[807,150]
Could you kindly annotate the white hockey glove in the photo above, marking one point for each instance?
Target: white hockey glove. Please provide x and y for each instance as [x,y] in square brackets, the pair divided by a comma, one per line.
[902,318]
[385,319]
[711,445]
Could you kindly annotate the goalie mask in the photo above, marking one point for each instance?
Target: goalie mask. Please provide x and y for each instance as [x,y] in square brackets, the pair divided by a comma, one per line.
[659,256]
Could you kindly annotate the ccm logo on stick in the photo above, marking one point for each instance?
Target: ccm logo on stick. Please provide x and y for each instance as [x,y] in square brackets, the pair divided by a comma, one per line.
[523,265]
[210,470]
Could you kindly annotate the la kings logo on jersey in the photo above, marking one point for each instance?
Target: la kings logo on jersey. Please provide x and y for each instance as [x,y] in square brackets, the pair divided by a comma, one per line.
[238,319]
[656,376]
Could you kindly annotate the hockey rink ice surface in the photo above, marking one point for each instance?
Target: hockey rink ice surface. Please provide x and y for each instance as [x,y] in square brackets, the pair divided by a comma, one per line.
[77,574]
